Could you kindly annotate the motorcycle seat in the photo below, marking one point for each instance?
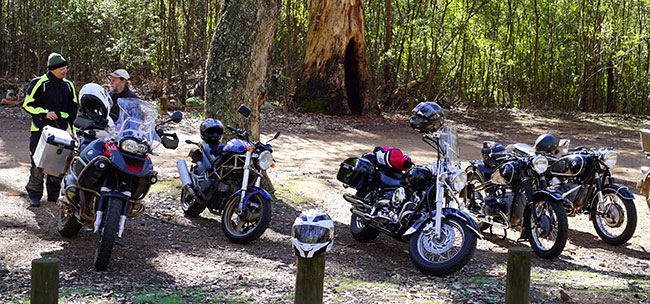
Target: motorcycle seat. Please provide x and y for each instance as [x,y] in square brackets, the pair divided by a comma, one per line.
[390,178]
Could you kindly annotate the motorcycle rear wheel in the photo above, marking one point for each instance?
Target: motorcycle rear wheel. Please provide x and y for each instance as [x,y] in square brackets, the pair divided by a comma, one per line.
[432,256]
[110,224]
[249,226]
[360,231]
[191,207]
[618,225]
[548,237]
[67,224]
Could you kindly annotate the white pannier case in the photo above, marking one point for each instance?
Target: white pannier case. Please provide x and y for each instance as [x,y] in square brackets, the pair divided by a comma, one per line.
[53,151]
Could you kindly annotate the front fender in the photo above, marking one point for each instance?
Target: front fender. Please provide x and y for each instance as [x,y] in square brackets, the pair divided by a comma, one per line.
[250,192]
[551,195]
[446,212]
[624,191]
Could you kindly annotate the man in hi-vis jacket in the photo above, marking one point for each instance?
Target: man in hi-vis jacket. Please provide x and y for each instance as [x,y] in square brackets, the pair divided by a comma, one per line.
[52,101]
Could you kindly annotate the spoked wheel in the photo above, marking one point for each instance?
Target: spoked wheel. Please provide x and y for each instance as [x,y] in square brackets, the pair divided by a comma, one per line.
[446,254]
[245,226]
[110,224]
[614,219]
[360,231]
[67,224]
[478,196]
[547,235]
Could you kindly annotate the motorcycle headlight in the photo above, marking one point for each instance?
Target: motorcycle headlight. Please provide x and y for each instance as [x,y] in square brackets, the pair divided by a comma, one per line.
[265,160]
[133,146]
[610,157]
[540,164]
[458,180]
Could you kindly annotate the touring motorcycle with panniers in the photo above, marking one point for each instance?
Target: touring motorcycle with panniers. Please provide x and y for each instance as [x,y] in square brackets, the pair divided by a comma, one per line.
[226,180]
[418,206]
[111,171]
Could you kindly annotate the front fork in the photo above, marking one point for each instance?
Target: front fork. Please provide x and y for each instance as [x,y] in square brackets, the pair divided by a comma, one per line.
[106,192]
[244,185]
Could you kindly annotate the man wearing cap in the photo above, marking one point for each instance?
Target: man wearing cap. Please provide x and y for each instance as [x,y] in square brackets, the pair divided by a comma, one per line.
[52,101]
[119,89]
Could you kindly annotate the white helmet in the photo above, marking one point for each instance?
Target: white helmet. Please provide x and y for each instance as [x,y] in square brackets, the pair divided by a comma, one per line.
[94,101]
[312,233]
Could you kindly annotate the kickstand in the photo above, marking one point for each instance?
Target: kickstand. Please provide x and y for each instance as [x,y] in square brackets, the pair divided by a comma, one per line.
[122,245]
[505,234]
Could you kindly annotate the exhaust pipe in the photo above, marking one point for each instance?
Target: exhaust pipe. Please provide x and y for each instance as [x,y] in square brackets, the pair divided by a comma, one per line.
[355,201]
[186,180]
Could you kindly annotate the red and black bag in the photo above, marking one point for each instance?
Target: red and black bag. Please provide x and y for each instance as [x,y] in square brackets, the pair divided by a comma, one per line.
[393,158]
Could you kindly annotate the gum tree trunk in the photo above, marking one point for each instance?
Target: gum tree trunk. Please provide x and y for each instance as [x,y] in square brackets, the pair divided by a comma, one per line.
[237,61]
[336,78]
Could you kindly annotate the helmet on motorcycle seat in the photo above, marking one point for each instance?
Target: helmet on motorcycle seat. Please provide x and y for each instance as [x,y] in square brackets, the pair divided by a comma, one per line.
[427,117]
[211,130]
[312,233]
[94,101]
[418,177]
[546,143]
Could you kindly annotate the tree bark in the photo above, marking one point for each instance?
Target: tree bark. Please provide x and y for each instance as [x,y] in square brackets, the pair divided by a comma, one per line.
[336,78]
[237,61]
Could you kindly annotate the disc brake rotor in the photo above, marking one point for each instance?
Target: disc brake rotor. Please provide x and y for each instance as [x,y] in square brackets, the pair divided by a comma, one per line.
[439,245]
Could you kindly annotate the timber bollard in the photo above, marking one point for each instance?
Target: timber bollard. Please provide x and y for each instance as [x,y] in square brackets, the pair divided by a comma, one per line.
[312,235]
[518,275]
[45,281]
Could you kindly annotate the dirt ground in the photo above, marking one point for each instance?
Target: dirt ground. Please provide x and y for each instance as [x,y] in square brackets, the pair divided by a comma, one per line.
[172,258]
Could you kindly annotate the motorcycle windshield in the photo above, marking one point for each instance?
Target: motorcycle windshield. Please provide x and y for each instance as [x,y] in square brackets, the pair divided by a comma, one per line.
[449,146]
[137,120]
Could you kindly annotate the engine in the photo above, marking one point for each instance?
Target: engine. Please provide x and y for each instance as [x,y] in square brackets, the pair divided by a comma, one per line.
[505,204]
[393,208]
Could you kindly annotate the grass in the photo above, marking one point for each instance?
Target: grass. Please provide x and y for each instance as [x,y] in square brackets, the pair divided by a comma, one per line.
[299,190]
[167,186]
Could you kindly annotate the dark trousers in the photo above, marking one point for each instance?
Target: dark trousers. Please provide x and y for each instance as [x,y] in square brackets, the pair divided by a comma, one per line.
[35,184]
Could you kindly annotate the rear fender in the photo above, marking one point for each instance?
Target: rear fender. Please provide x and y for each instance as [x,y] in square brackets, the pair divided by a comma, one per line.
[446,212]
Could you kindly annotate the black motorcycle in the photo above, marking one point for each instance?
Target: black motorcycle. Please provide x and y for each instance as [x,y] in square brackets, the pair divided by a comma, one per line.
[507,189]
[583,176]
[111,173]
[418,206]
[229,184]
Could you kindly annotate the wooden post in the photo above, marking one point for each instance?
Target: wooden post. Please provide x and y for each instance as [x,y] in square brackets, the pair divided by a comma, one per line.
[518,275]
[309,280]
[45,281]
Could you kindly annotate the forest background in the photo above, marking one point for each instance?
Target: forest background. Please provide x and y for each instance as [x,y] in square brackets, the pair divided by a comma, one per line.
[589,55]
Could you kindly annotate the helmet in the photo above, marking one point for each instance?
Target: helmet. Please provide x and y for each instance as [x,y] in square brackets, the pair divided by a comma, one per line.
[418,177]
[546,143]
[312,233]
[94,101]
[427,117]
[490,147]
[211,130]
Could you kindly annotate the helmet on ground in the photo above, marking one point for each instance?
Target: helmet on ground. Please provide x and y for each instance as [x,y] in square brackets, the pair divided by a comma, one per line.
[94,101]
[546,143]
[427,117]
[211,130]
[312,234]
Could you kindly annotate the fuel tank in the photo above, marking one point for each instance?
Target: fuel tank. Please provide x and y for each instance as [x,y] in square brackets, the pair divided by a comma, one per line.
[571,165]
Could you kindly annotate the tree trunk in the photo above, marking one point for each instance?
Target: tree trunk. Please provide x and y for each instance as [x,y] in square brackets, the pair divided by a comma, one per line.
[336,78]
[237,61]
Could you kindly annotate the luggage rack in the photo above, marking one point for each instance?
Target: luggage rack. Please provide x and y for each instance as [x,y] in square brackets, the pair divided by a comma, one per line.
[645,142]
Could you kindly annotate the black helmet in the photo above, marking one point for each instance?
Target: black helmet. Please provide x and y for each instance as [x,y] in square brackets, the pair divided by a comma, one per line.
[418,177]
[427,117]
[211,130]
[546,143]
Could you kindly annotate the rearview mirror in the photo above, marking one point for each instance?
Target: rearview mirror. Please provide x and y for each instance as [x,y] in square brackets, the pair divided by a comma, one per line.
[277,134]
[177,116]
[244,110]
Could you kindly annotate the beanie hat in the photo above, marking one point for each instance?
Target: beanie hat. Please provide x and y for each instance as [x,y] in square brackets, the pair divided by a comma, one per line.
[55,61]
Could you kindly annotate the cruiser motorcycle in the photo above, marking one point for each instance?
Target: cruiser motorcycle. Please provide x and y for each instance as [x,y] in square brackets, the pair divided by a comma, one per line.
[418,206]
[507,189]
[229,184]
[111,172]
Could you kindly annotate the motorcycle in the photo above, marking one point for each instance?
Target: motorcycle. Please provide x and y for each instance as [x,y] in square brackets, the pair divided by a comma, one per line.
[229,184]
[507,189]
[644,183]
[417,206]
[111,173]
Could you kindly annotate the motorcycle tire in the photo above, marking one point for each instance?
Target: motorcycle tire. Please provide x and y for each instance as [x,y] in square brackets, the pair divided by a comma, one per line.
[67,224]
[191,207]
[247,227]
[110,225]
[621,214]
[476,180]
[423,247]
[360,231]
[556,226]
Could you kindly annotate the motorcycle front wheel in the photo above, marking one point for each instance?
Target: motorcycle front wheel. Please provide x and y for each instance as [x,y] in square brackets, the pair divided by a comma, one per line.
[67,224]
[110,224]
[547,235]
[614,219]
[243,227]
[446,254]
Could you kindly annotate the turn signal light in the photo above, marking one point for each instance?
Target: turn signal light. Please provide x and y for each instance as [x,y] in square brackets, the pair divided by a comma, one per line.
[249,149]
[272,165]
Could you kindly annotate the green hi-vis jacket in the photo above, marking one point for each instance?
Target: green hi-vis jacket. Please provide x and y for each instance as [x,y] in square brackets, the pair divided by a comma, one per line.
[51,94]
